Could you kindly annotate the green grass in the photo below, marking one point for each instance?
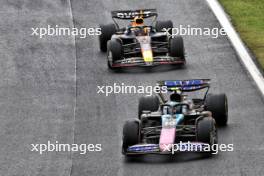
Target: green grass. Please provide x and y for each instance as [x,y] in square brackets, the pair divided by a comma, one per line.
[248,18]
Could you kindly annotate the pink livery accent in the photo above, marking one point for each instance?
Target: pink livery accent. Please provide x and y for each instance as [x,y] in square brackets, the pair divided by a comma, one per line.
[167,137]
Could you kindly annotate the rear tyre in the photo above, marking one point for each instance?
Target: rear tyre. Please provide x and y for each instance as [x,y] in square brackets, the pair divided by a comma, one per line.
[160,25]
[148,103]
[106,33]
[131,134]
[114,52]
[218,105]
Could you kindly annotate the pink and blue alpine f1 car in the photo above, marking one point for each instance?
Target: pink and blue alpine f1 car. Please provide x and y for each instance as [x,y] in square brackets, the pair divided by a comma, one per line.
[169,122]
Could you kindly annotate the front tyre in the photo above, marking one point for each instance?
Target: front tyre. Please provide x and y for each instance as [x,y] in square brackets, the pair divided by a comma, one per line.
[114,52]
[176,47]
[206,131]
[131,134]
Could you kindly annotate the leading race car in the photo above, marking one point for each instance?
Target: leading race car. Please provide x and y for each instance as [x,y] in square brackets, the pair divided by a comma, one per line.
[139,44]
[166,120]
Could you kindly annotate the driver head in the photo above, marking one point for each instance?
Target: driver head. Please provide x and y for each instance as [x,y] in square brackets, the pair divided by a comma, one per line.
[138,21]
[176,97]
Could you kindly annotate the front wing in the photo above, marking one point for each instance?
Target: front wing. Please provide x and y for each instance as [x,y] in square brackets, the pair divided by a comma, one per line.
[138,61]
[141,149]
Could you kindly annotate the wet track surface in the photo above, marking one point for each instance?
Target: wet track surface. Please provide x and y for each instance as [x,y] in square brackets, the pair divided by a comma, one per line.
[49,92]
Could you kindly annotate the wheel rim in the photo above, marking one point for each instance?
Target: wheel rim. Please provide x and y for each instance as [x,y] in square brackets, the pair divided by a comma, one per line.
[226,108]
[213,136]
[109,59]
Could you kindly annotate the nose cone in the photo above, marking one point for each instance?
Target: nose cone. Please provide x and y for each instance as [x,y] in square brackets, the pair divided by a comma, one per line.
[167,138]
[147,56]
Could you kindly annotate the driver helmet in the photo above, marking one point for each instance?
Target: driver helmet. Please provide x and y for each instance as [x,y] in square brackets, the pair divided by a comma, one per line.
[176,97]
[137,21]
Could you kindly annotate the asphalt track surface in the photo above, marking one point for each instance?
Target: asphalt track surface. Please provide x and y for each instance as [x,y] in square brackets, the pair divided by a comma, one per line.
[48,92]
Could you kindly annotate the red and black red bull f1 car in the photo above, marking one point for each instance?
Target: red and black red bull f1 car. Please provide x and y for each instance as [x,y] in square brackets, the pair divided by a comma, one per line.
[139,44]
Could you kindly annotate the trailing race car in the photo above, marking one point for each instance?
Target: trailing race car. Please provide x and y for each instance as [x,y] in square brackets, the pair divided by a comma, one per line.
[139,44]
[165,120]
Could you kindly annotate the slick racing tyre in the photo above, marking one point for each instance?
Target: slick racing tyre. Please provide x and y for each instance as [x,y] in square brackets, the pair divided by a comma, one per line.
[131,134]
[107,32]
[160,25]
[206,131]
[218,105]
[148,103]
[176,47]
[114,52]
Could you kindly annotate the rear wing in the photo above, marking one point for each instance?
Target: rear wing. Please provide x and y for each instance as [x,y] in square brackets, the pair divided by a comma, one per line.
[185,85]
[131,14]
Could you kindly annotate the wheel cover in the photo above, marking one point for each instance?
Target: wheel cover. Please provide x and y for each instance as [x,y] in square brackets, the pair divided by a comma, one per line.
[110,59]
[213,136]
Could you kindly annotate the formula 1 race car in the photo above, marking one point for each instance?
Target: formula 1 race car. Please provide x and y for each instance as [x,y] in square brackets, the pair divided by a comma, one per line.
[166,120]
[139,44]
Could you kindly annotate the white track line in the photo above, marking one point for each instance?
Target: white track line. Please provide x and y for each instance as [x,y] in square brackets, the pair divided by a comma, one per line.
[237,44]
[75,90]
